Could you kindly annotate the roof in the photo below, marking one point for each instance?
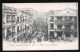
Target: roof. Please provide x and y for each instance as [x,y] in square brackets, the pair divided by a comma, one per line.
[58,11]
[65,9]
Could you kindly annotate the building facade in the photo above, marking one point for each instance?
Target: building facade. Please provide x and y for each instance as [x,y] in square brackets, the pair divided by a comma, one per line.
[16,24]
[63,24]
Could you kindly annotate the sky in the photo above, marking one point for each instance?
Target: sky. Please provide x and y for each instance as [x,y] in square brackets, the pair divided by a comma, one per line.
[42,6]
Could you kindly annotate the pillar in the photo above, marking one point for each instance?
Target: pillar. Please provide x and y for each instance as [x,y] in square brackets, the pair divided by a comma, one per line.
[63,18]
[48,35]
[72,26]
[55,26]
[11,32]
[5,19]
[55,34]
[5,32]
[63,27]
[15,39]
[72,18]
[72,36]
[16,29]
[63,35]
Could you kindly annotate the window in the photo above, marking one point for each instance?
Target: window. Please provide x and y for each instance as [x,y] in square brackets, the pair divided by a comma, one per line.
[75,34]
[25,27]
[21,28]
[20,18]
[70,17]
[51,11]
[67,11]
[52,17]
[75,26]
[59,18]
[13,18]
[8,31]
[67,18]
[51,34]
[75,18]
[68,27]
[13,31]
[17,29]
[67,34]
[17,19]
[13,28]
[59,26]
[8,18]
[3,16]
[23,18]
[59,34]
[28,28]
[51,26]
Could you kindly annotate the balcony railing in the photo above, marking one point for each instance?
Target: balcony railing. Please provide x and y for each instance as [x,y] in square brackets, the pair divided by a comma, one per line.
[58,22]
[51,20]
[58,29]
[74,30]
[51,28]
[66,30]
[68,21]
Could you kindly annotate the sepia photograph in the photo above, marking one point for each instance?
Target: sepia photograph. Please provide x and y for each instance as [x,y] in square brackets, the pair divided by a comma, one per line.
[40,26]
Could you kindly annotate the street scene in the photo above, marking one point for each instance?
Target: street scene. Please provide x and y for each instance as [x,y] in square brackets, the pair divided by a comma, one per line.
[31,25]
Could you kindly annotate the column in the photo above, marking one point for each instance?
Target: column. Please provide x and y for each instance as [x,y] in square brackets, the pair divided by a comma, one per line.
[72,36]
[55,26]
[72,26]
[48,35]
[73,18]
[5,32]
[11,32]
[16,29]
[63,26]
[4,19]
[15,39]
[55,34]
[48,26]
[55,18]
[63,18]
[63,35]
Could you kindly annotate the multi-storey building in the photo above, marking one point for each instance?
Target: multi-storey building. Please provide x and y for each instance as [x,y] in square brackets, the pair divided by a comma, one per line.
[63,24]
[16,23]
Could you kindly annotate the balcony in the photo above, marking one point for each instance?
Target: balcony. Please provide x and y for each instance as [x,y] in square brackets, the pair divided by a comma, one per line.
[58,29]
[51,20]
[58,22]
[66,30]
[68,21]
[51,29]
